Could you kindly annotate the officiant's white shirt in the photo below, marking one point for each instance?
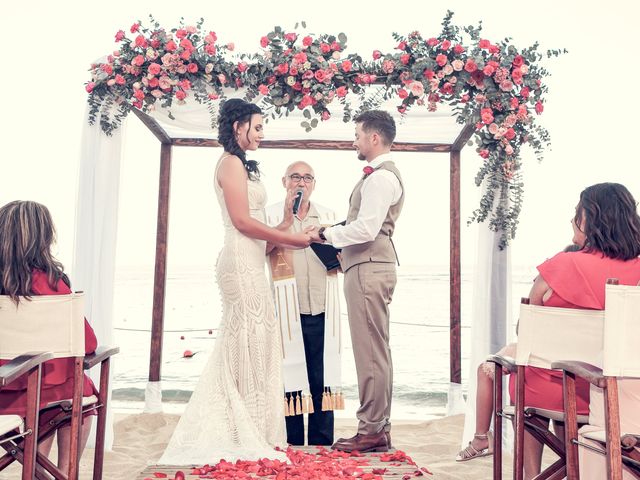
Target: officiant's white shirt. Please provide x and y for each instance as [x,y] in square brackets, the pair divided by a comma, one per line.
[379,191]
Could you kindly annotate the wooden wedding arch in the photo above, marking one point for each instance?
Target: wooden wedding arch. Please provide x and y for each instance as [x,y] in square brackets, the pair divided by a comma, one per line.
[452,138]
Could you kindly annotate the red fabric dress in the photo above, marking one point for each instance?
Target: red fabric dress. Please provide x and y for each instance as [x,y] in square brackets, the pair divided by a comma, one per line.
[578,281]
[57,374]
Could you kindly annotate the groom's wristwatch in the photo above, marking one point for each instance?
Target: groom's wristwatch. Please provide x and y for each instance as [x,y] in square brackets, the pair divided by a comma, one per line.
[321,234]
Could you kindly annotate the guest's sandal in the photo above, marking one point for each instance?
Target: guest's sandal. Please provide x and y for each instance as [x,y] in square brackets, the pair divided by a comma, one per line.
[470,452]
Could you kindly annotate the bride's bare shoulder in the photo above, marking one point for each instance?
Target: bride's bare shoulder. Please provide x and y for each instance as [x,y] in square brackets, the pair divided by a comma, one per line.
[229,166]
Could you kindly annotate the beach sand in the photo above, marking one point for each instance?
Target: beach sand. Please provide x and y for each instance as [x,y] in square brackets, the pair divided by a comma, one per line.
[140,439]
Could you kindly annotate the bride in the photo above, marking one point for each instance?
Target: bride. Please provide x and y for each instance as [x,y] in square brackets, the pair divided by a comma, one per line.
[236,410]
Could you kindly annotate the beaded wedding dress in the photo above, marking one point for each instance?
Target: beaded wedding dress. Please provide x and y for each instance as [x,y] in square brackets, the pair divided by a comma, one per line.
[236,410]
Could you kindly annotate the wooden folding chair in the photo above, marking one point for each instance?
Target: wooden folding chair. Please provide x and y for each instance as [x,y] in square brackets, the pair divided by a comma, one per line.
[545,334]
[57,323]
[621,358]
[14,427]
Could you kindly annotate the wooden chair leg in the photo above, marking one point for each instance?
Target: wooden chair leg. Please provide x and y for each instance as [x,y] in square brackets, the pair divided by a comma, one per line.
[31,423]
[497,422]
[570,425]
[518,453]
[612,429]
[103,398]
[76,418]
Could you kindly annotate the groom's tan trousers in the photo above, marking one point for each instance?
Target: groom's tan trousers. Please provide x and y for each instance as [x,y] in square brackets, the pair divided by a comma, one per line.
[368,289]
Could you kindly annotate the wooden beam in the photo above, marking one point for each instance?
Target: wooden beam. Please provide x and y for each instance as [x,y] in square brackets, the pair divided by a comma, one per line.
[160,276]
[317,145]
[463,137]
[154,126]
[455,368]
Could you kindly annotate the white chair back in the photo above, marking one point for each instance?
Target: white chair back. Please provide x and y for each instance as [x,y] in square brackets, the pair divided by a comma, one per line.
[53,323]
[548,334]
[621,356]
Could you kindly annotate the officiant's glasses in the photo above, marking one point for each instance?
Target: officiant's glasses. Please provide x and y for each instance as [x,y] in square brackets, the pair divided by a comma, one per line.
[297,177]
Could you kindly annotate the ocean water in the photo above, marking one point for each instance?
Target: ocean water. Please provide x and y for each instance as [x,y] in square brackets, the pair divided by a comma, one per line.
[419,336]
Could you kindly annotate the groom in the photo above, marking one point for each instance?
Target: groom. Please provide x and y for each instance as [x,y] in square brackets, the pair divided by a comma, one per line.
[369,265]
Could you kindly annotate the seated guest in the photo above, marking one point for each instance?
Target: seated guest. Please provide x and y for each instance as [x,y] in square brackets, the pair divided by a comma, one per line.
[481,444]
[606,226]
[28,268]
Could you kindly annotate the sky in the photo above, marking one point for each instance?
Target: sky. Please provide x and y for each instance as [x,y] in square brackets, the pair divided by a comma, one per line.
[589,113]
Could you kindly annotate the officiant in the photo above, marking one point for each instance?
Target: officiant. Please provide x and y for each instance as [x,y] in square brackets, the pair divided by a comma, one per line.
[308,306]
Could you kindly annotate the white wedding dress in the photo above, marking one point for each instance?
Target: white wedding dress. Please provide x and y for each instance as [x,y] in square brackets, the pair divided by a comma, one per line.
[236,410]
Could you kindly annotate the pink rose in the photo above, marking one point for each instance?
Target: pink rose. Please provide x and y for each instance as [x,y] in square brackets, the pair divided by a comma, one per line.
[506,85]
[457,65]
[441,60]
[164,82]
[488,70]
[181,33]
[539,107]
[138,94]
[185,55]
[486,114]
[106,68]
[493,128]
[465,98]
[428,74]
[213,96]
[192,68]
[120,80]
[447,69]
[305,102]
[341,91]
[377,54]
[508,150]
[518,61]
[263,89]
[300,58]
[307,41]
[336,47]
[480,98]
[293,70]
[282,69]
[208,39]
[493,49]
[320,75]
[523,113]
[388,66]
[470,66]
[325,115]
[186,44]
[180,95]
[153,82]
[171,46]
[402,93]
[432,42]
[210,48]
[404,58]
[346,66]
[191,29]
[416,88]
[445,45]
[242,67]
[516,75]
[119,35]
[514,103]
[325,48]
[458,49]
[510,134]
[141,42]
[90,86]
[157,93]
[402,46]
[184,84]
[484,43]
[138,104]
[484,153]
[154,69]
[222,78]
[290,37]
[447,89]
[264,41]
[134,28]
[231,46]
[213,36]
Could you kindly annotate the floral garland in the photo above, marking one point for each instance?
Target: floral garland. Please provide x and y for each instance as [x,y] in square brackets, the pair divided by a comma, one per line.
[493,86]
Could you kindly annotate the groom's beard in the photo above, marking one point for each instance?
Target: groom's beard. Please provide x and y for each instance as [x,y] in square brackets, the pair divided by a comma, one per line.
[361,156]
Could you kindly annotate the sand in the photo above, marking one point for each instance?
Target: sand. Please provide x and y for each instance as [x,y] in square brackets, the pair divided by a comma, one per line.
[140,439]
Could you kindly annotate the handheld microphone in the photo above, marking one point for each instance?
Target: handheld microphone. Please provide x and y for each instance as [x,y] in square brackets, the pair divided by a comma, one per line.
[297,201]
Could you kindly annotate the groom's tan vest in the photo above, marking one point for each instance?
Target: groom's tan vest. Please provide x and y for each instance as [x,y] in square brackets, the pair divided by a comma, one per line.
[381,248]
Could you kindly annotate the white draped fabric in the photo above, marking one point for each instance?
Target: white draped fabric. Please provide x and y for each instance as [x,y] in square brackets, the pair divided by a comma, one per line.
[96,231]
[491,310]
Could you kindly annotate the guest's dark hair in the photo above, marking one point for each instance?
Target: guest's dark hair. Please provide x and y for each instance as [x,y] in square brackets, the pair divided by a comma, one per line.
[380,122]
[607,214]
[26,236]
[231,111]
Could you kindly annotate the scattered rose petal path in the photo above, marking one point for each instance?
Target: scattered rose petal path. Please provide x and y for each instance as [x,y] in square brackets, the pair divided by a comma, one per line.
[307,463]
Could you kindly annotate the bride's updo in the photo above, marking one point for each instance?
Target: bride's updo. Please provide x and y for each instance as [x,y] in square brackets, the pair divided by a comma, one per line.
[231,111]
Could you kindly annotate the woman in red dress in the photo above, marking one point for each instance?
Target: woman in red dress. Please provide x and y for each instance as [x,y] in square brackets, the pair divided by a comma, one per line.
[607,227]
[28,268]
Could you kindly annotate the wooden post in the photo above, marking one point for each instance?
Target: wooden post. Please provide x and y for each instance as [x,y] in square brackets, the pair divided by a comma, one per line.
[160,276]
[454,268]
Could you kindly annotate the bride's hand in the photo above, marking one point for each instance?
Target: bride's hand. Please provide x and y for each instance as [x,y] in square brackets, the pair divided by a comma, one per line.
[300,240]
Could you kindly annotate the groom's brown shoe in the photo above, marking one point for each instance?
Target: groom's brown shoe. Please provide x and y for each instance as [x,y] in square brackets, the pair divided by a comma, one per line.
[376,442]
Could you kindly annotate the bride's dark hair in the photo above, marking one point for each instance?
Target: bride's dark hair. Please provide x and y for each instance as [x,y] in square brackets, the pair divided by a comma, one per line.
[231,111]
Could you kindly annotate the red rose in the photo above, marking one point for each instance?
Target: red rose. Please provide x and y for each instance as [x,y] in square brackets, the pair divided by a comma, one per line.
[325,48]
[465,98]
[514,103]
[432,42]
[377,54]
[539,107]
[478,77]
[139,94]
[402,46]
[325,115]
[493,49]
[320,75]
[525,92]
[486,114]
[445,45]
[290,37]
[300,58]
[180,95]
[404,58]
[263,89]
[171,46]
[336,47]
[153,82]
[458,49]
[484,43]
[184,84]
[181,33]
[346,66]
[484,153]
[429,74]
[192,68]
[106,68]
[242,67]
[119,35]
[402,93]
[293,71]
[470,66]
[264,41]
[154,69]
[441,60]
[134,28]
[155,43]
[90,86]
[510,134]
[141,42]
[518,61]
[186,44]
[341,91]
[307,41]
[210,48]
[282,69]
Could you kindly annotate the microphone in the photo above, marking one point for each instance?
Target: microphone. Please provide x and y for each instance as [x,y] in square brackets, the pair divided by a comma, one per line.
[297,201]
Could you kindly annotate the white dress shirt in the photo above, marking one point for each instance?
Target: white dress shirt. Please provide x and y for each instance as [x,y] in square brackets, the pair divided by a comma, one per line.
[380,190]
